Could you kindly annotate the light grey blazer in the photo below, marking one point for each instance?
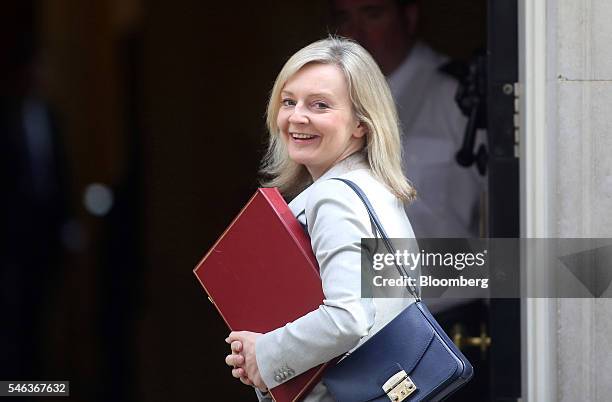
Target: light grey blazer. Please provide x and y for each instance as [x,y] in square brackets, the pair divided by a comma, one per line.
[336,220]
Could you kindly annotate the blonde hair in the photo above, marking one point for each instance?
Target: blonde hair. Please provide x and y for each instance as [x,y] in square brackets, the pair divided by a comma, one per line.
[372,103]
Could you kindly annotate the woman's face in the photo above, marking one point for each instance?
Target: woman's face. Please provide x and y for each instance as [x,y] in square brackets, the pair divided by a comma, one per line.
[316,118]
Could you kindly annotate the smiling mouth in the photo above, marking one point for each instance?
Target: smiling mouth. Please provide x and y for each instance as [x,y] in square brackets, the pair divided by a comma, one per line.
[302,136]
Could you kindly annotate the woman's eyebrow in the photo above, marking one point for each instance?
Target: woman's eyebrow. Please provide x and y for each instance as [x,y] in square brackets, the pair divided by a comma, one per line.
[323,94]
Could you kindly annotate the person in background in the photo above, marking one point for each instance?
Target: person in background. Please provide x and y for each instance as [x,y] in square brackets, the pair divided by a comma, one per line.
[432,124]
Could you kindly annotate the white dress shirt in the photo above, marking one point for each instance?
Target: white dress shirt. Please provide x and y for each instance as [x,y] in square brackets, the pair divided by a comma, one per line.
[432,133]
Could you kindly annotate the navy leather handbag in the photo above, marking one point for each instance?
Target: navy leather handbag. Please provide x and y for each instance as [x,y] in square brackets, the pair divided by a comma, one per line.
[410,359]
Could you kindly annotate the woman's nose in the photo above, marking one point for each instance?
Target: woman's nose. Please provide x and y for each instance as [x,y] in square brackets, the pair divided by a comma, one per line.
[298,116]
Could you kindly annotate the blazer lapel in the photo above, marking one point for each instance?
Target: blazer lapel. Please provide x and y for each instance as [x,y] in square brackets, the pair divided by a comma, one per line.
[298,206]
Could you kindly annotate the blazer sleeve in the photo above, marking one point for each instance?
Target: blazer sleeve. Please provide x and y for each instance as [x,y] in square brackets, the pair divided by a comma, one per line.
[337,220]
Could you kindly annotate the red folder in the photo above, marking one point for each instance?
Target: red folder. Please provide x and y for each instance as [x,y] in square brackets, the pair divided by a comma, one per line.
[262,274]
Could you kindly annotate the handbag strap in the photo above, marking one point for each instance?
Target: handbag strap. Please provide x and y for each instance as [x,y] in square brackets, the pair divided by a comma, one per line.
[379,227]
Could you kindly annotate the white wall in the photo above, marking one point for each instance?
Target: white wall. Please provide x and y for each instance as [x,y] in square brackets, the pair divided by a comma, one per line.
[583,186]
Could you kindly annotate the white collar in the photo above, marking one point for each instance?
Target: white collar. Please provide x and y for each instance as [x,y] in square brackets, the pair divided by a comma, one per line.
[357,160]
[354,161]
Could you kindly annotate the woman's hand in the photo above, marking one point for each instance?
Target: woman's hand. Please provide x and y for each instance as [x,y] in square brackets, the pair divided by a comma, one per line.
[236,360]
[243,358]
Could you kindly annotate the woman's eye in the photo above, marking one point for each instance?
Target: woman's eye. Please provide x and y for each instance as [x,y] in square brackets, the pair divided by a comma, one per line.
[321,105]
[288,102]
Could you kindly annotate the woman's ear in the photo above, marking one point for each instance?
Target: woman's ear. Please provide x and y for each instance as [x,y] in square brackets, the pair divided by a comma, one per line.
[361,130]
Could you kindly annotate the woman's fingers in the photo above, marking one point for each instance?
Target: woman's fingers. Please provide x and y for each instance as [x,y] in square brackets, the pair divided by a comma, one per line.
[238,372]
[236,346]
[234,360]
[234,336]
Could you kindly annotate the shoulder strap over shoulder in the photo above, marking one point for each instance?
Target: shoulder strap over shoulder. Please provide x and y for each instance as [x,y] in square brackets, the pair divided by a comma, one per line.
[402,271]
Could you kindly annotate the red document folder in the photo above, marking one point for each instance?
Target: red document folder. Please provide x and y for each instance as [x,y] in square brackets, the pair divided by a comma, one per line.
[262,274]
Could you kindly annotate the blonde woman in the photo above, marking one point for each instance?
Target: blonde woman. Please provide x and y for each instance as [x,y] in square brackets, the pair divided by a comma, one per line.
[330,115]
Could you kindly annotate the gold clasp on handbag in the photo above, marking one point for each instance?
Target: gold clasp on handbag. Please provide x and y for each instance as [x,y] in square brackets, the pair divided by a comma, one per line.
[399,386]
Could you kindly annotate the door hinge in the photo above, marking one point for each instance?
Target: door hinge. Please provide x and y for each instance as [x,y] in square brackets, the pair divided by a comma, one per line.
[517,119]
